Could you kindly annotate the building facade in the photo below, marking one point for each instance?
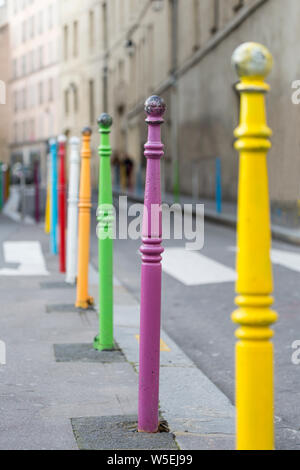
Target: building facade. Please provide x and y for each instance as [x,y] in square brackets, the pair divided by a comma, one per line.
[34,84]
[4,79]
[181,49]
[81,70]
[73,60]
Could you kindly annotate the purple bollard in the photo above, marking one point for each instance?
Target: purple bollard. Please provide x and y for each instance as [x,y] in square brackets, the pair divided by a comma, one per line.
[36,192]
[151,273]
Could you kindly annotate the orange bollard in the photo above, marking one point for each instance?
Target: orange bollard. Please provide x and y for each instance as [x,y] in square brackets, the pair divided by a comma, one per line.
[83,300]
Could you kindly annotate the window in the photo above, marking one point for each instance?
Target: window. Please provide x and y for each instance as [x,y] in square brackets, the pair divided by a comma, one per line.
[15,101]
[24,65]
[15,68]
[32,130]
[41,93]
[41,19]
[31,27]
[32,60]
[24,99]
[41,57]
[75,38]
[67,101]
[50,89]
[50,53]
[15,132]
[24,129]
[29,62]
[50,16]
[66,42]
[75,96]
[91,29]
[24,31]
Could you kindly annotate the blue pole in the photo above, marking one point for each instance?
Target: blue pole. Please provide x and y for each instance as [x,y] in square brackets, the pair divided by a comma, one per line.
[54,201]
[218,185]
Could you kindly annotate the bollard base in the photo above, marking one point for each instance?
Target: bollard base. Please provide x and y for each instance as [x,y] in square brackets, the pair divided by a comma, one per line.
[67,308]
[118,432]
[85,304]
[86,353]
[103,347]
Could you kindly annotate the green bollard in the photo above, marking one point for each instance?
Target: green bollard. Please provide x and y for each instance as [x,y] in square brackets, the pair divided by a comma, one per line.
[105,216]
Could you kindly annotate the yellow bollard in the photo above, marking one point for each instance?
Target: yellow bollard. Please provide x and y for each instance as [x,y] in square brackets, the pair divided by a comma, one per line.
[47,215]
[83,300]
[254,350]
[48,199]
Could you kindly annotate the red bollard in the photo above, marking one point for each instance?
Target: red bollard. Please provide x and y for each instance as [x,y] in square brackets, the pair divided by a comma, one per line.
[62,202]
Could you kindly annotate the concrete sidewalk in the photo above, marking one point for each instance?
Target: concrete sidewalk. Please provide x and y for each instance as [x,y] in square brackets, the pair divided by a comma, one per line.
[56,393]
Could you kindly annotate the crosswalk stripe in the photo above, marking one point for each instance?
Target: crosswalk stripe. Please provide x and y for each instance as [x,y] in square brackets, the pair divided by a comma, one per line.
[29,257]
[287,259]
[193,269]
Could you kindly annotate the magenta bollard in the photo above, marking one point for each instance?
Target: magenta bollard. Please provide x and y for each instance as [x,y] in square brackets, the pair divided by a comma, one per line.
[36,192]
[151,273]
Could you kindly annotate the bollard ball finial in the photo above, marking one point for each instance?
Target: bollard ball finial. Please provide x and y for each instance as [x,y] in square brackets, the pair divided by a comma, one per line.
[105,120]
[252,59]
[155,106]
[52,141]
[62,139]
[74,140]
[87,131]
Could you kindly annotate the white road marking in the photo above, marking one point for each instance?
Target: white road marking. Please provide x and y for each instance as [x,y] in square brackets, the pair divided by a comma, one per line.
[287,259]
[193,269]
[28,255]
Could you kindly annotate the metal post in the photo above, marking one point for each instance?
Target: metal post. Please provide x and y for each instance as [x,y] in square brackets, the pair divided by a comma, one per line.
[48,200]
[54,201]
[151,273]
[218,185]
[83,299]
[62,202]
[254,350]
[23,192]
[73,200]
[105,217]
[36,192]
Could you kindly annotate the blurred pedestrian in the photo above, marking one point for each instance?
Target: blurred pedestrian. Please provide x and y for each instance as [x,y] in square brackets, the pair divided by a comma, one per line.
[116,163]
[129,167]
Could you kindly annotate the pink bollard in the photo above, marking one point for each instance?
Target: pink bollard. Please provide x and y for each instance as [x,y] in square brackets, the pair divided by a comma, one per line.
[148,419]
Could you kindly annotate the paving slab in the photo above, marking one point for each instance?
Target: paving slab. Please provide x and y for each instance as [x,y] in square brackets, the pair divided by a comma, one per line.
[85,353]
[118,433]
[56,285]
[66,308]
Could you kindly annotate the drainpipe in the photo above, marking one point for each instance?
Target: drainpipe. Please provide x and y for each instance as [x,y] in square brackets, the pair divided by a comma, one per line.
[174,100]
[105,60]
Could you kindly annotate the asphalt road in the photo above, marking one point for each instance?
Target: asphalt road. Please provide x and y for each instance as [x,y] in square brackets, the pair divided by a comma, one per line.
[198,319]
